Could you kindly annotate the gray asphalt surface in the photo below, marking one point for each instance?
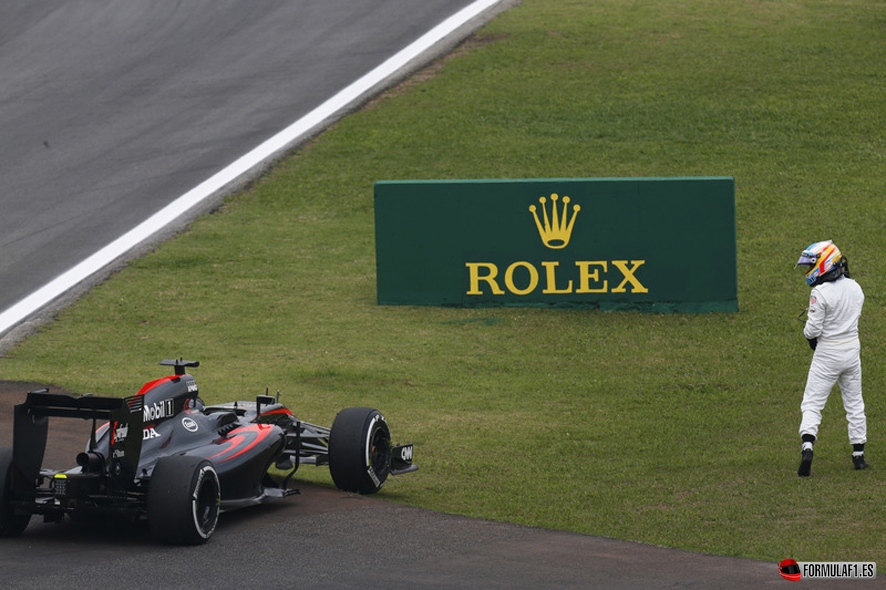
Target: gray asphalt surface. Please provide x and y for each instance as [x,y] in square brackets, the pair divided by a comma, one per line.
[111,110]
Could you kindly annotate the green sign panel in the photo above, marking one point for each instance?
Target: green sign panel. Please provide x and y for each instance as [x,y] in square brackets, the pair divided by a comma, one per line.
[651,244]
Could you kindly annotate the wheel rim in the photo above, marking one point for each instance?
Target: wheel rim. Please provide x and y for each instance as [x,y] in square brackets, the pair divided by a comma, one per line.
[206,502]
[380,451]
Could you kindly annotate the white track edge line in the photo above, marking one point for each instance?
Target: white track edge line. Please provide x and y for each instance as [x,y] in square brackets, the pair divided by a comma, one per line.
[272,147]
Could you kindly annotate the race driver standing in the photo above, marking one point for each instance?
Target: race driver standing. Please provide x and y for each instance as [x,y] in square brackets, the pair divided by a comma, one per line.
[832,331]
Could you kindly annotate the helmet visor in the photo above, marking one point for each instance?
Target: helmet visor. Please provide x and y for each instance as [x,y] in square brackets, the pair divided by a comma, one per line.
[807,259]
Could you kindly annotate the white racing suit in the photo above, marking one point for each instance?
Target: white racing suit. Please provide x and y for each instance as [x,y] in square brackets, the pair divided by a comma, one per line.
[834,309]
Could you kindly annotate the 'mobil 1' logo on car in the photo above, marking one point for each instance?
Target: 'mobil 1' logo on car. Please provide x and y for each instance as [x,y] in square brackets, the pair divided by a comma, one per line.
[158,411]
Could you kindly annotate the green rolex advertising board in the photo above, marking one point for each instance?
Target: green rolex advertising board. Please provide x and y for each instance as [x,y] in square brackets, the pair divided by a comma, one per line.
[649,244]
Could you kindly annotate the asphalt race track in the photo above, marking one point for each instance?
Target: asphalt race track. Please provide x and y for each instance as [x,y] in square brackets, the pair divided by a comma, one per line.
[109,111]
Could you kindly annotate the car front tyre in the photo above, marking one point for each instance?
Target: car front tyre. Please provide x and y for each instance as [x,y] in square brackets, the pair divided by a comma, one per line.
[359,450]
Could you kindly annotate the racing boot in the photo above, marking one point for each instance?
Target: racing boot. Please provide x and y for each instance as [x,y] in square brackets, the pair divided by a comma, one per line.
[805,463]
[858,457]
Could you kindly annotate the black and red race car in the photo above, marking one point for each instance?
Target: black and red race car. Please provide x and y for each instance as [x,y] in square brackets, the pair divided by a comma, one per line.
[165,456]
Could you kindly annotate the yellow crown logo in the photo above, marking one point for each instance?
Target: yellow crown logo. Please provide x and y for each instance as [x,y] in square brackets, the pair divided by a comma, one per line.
[556,230]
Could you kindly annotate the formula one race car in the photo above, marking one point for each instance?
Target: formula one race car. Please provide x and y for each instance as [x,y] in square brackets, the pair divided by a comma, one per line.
[165,456]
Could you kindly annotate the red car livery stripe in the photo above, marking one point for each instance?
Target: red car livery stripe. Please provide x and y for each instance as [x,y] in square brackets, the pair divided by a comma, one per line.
[152,384]
[284,411]
[241,440]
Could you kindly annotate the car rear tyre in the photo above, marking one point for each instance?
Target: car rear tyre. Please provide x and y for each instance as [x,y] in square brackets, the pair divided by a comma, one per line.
[11,524]
[359,450]
[184,498]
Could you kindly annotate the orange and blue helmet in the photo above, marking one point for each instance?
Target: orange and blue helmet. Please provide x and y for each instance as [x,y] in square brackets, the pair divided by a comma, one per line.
[824,261]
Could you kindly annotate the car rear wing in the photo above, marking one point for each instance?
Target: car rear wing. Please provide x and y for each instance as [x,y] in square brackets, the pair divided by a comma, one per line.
[125,417]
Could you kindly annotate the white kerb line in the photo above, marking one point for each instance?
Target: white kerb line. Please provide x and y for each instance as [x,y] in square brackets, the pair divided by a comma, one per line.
[257,157]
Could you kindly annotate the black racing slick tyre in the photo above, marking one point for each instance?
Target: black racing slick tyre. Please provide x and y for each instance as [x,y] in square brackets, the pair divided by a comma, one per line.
[11,524]
[359,450]
[184,499]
